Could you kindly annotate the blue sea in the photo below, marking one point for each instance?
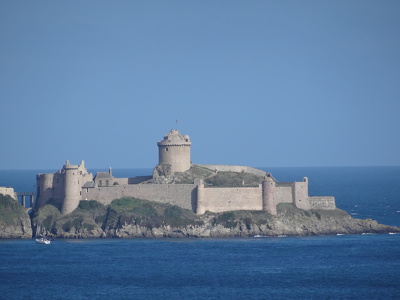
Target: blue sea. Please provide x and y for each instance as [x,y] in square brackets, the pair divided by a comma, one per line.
[325,267]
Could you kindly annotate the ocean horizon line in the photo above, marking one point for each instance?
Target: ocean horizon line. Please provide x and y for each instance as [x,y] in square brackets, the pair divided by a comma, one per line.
[258,167]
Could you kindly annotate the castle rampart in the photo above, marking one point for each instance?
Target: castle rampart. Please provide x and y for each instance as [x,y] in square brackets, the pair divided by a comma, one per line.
[322,202]
[283,192]
[221,199]
[183,195]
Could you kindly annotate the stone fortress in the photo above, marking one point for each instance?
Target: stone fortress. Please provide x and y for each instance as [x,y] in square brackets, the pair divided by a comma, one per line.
[175,180]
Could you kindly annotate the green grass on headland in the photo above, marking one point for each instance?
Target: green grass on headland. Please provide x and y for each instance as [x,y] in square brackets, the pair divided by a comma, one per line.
[10,210]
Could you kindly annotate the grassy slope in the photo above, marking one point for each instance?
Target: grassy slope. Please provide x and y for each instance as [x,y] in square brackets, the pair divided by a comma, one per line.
[10,210]
[14,219]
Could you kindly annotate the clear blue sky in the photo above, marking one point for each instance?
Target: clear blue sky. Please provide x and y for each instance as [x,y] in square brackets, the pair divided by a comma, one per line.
[258,83]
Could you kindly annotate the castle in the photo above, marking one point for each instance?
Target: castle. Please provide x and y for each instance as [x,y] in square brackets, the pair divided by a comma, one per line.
[73,183]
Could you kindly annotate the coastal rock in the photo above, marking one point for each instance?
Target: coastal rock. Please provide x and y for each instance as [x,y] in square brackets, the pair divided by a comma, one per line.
[15,222]
[133,218]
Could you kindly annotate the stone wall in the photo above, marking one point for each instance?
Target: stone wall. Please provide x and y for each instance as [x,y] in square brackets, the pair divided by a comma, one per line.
[225,199]
[183,195]
[322,202]
[120,181]
[284,192]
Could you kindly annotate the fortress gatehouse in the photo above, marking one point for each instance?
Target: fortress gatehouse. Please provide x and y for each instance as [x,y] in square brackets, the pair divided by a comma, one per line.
[175,180]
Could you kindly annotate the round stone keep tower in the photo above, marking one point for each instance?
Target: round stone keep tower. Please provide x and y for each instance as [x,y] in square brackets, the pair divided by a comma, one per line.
[174,150]
[71,189]
[268,195]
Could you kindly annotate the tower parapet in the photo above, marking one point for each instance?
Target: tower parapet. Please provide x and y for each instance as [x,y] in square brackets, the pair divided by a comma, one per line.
[174,150]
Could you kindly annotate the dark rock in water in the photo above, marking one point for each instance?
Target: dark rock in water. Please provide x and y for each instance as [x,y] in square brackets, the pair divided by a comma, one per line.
[15,222]
[131,218]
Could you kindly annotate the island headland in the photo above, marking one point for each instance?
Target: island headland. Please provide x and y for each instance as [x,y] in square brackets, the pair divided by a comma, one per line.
[179,199]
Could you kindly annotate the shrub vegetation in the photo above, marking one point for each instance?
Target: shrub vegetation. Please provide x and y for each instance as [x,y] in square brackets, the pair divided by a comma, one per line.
[230,179]
[10,210]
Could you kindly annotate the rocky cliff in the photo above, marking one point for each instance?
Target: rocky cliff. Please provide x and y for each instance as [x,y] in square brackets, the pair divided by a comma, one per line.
[15,222]
[131,218]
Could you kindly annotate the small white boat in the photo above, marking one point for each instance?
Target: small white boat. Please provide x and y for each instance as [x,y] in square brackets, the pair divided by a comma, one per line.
[42,241]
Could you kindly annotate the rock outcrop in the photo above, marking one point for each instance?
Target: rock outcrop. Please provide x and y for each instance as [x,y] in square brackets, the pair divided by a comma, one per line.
[133,218]
[15,222]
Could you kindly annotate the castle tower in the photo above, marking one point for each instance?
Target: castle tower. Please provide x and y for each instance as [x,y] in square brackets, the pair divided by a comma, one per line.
[44,189]
[268,195]
[174,150]
[200,208]
[71,189]
[300,194]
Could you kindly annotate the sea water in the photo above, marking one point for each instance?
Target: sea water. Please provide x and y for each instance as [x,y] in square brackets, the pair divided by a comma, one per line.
[325,267]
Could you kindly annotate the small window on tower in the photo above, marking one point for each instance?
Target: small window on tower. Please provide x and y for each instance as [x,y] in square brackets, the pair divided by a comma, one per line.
[166,149]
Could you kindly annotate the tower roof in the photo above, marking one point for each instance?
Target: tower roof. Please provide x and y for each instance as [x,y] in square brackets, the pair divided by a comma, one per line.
[173,137]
